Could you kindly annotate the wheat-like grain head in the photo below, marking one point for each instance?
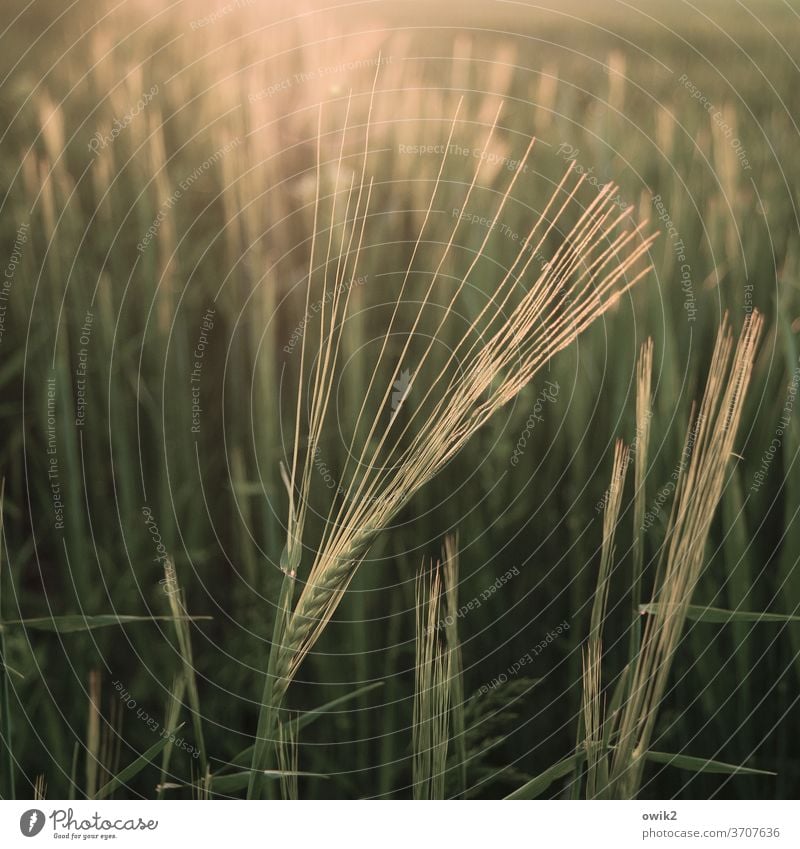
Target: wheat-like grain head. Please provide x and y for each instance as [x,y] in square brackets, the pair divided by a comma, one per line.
[590,258]
[706,455]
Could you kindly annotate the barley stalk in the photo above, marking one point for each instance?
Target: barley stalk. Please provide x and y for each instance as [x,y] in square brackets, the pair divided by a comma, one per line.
[432,690]
[507,343]
[707,451]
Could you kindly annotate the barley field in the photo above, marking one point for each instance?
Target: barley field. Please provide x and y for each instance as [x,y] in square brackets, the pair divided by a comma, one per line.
[399,400]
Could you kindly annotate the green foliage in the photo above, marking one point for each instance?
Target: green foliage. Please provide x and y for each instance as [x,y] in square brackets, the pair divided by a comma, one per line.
[225,265]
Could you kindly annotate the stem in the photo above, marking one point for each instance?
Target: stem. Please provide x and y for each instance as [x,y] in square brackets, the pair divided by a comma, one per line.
[5,701]
[275,687]
[8,759]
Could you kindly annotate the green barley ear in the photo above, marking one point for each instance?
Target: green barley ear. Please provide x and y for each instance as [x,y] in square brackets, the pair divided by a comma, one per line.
[201,789]
[274,682]
[432,690]
[708,448]
[6,751]
[450,574]
[593,714]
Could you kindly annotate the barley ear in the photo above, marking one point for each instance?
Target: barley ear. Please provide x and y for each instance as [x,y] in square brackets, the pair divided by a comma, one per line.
[644,414]
[450,570]
[432,690]
[593,714]
[707,452]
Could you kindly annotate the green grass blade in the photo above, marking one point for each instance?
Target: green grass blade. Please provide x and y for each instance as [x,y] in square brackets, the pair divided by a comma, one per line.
[703,765]
[614,708]
[137,766]
[238,781]
[305,719]
[174,703]
[76,623]
[789,565]
[5,727]
[177,603]
[312,715]
[94,764]
[9,791]
[73,772]
[536,786]
[718,616]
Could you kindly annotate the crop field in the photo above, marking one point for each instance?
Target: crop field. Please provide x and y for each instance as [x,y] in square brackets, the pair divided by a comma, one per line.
[399,400]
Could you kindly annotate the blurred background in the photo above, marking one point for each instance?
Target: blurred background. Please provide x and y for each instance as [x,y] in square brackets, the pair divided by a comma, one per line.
[158,177]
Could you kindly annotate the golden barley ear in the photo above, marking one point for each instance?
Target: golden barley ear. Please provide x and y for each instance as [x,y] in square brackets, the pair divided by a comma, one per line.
[40,788]
[596,259]
[641,447]
[707,451]
[498,356]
